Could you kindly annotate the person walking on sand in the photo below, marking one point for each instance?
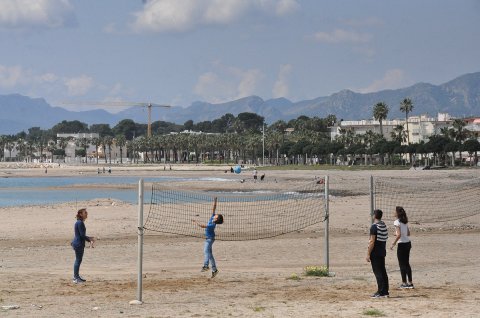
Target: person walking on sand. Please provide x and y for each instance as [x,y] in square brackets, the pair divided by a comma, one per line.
[402,236]
[210,239]
[78,244]
[255,173]
[377,252]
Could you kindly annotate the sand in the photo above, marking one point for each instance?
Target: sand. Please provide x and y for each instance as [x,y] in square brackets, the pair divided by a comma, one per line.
[36,260]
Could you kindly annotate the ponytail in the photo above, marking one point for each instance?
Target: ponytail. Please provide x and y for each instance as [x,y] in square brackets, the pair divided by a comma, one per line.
[401,214]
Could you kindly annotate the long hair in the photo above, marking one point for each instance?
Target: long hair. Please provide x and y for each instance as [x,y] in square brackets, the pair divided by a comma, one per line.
[79,217]
[401,214]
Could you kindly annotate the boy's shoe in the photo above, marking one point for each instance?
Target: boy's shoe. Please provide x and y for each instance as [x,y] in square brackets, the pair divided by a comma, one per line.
[403,286]
[410,286]
[204,269]
[376,295]
[214,273]
[80,278]
[384,295]
[77,281]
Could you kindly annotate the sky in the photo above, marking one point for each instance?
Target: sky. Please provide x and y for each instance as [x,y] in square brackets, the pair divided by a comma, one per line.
[176,52]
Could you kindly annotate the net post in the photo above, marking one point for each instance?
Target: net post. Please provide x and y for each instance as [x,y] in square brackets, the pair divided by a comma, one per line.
[139,301]
[372,199]
[326,251]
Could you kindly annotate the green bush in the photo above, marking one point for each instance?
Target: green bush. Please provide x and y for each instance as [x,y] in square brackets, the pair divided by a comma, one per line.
[321,271]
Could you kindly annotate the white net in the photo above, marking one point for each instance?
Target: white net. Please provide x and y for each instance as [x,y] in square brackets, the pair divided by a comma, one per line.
[427,200]
[247,216]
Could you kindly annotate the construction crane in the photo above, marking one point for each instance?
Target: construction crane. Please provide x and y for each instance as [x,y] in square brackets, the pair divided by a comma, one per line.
[122,104]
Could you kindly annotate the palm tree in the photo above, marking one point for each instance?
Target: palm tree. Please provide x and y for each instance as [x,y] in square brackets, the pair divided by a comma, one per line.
[96,142]
[121,141]
[399,134]
[380,112]
[459,133]
[406,106]
[108,142]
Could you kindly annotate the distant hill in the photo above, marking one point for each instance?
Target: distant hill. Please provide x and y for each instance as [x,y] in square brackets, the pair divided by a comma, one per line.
[458,97]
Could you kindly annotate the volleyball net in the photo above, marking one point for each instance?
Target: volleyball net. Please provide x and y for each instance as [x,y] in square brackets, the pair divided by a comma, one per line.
[247,216]
[427,200]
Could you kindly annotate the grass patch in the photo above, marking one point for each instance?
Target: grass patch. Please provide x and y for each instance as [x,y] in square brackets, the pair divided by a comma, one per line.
[259,309]
[294,276]
[373,312]
[321,271]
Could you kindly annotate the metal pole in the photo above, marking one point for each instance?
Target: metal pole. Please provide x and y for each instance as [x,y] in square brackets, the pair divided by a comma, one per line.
[326,251]
[263,144]
[372,203]
[138,301]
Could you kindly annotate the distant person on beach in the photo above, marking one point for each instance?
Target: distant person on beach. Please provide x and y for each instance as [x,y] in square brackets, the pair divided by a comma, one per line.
[255,174]
[377,252]
[402,236]
[78,244]
[210,239]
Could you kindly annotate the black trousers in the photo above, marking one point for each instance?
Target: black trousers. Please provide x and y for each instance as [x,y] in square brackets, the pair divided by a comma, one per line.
[380,272]
[403,255]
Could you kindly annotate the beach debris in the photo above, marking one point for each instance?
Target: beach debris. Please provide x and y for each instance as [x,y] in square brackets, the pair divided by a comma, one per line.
[37,306]
[10,307]
[95,308]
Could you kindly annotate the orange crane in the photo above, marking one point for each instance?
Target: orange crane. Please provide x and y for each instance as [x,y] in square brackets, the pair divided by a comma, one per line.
[123,104]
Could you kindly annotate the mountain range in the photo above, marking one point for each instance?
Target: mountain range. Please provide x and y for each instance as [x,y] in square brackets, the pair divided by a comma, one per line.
[459,97]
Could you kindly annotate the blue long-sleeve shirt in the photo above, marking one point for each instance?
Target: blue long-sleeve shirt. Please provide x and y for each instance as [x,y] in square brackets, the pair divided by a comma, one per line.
[80,235]
[210,229]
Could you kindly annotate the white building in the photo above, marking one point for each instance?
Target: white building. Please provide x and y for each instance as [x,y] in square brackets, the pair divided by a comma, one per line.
[419,127]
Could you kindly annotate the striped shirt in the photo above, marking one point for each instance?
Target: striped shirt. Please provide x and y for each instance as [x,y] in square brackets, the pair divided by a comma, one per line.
[380,231]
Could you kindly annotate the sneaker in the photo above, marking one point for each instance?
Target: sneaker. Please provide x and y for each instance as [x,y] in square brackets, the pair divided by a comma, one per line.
[384,295]
[376,295]
[204,269]
[80,278]
[403,286]
[214,273]
[410,286]
[77,281]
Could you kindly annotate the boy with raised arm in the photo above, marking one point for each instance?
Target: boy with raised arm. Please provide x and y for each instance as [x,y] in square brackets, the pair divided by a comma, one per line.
[209,239]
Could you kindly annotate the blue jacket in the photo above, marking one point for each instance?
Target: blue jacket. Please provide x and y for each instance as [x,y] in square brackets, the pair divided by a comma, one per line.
[80,235]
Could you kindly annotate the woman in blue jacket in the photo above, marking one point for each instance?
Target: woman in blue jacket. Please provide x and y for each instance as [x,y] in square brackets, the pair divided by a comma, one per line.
[78,244]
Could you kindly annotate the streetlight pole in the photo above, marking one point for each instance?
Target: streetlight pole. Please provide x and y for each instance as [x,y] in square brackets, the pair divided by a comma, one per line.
[263,144]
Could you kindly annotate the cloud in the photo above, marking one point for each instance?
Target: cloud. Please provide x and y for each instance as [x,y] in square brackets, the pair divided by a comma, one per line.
[180,16]
[227,83]
[79,85]
[27,14]
[393,79]
[11,76]
[342,36]
[280,88]
[284,7]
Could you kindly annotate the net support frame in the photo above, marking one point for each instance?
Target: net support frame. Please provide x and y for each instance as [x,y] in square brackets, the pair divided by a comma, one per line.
[141,231]
[326,250]
[372,199]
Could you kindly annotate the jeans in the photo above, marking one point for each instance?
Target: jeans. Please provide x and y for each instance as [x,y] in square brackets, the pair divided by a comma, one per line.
[208,254]
[378,267]
[403,255]
[78,260]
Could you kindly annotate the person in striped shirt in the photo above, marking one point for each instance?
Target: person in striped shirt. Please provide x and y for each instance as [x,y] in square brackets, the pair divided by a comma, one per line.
[377,252]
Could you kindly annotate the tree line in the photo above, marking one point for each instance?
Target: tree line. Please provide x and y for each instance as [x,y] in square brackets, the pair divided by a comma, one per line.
[242,138]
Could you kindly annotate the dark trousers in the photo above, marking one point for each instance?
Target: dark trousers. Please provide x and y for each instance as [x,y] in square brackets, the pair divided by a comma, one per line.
[78,260]
[378,267]
[403,255]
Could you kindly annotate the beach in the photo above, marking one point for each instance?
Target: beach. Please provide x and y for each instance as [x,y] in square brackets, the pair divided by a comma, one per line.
[255,277]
